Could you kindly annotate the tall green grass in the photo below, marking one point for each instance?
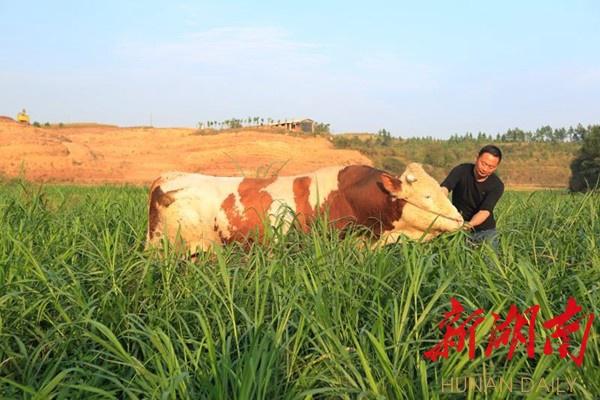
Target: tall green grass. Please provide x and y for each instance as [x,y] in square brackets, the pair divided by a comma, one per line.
[86,313]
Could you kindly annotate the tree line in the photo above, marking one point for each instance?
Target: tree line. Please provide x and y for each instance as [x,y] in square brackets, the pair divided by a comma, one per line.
[543,134]
[389,152]
[233,123]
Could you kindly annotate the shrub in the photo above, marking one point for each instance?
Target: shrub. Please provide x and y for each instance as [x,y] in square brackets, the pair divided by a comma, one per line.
[341,142]
[392,164]
[321,128]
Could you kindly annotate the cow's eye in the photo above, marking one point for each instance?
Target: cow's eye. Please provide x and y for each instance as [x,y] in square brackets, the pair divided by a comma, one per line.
[427,196]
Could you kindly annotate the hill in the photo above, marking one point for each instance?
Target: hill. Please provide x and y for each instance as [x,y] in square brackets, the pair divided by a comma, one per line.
[96,153]
[101,153]
[525,165]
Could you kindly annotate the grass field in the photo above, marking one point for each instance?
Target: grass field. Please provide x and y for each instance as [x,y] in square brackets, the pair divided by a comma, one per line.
[85,313]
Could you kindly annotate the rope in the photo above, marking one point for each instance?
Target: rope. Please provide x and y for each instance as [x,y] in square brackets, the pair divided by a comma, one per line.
[429,211]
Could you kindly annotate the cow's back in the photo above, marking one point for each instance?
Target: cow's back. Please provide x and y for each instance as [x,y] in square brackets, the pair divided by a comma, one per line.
[201,211]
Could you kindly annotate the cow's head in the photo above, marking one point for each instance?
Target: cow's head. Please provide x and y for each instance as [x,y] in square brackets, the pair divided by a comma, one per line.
[427,207]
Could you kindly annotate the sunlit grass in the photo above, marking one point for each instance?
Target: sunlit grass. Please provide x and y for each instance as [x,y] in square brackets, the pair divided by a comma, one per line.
[85,313]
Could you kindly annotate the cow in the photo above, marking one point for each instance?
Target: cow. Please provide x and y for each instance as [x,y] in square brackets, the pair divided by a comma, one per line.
[201,211]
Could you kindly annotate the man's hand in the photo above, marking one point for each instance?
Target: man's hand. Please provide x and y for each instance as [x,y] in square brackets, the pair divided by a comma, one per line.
[467,226]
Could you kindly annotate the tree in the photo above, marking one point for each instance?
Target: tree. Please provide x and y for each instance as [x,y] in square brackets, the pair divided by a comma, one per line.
[585,168]
[559,135]
[514,135]
[321,128]
[580,133]
[571,134]
[544,133]
[384,137]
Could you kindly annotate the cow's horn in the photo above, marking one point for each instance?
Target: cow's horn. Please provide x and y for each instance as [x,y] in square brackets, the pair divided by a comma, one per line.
[410,178]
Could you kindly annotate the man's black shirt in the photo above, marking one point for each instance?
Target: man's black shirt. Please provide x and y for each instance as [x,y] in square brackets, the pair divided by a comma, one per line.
[470,196]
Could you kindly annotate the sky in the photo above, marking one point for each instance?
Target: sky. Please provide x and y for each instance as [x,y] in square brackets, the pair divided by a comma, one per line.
[414,68]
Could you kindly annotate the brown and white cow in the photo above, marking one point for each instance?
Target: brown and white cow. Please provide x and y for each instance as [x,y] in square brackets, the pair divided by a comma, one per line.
[205,211]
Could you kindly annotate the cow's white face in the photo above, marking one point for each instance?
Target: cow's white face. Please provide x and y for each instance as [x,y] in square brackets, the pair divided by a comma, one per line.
[427,206]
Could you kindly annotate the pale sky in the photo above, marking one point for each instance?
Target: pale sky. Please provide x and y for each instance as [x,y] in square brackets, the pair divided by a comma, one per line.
[414,68]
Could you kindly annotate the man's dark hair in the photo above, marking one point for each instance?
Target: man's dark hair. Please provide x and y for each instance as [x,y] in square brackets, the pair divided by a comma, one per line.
[493,150]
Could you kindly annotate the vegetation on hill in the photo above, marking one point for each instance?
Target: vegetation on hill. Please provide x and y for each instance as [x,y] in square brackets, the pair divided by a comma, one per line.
[537,158]
[236,123]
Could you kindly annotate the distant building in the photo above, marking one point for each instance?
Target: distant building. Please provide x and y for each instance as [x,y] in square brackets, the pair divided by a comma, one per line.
[305,125]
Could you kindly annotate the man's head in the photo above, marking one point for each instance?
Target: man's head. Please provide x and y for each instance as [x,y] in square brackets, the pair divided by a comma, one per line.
[488,159]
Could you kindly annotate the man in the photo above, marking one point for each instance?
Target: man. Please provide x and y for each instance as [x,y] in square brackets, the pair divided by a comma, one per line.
[475,191]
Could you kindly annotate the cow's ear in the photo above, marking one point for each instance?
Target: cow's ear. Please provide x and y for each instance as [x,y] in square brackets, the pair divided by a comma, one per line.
[391,183]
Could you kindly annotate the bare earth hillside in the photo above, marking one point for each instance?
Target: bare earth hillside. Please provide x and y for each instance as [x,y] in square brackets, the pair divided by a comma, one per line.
[93,153]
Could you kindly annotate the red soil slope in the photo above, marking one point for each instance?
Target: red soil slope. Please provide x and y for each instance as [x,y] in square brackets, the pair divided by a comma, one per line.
[94,153]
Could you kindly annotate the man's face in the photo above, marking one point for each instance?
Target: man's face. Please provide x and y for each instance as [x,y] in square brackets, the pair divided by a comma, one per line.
[485,165]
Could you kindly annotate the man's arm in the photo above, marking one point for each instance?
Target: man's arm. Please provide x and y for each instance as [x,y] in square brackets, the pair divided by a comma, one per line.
[486,208]
[478,219]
